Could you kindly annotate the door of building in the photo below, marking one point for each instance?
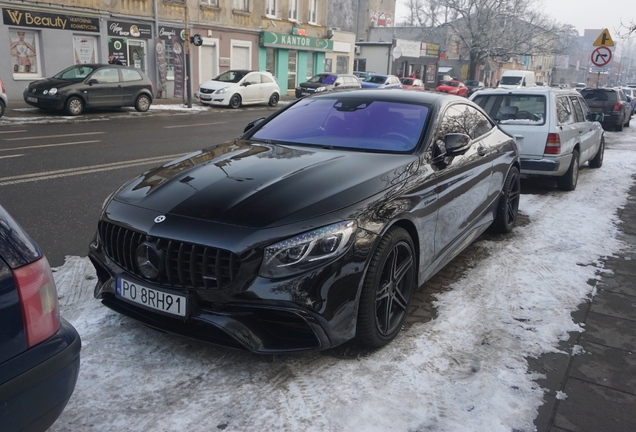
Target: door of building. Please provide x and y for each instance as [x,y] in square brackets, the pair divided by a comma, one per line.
[137,54]
[208,55]
[292,69]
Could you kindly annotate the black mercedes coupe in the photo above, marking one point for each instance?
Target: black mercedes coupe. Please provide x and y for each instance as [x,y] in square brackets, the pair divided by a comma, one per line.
[311,229]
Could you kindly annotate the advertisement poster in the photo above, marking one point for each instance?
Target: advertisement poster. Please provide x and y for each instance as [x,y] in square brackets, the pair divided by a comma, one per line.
[118,48]
[162,67]
[179,66]
[23,51]
[84,49]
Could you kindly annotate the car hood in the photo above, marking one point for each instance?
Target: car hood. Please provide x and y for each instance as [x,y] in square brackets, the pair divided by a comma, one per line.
[48,83]
[264,185]
[314,85]
[216,85]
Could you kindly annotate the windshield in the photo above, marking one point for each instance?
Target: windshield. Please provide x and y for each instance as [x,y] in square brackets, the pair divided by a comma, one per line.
[75,73]
[231,76]
[354,123]
[376,79]
[510,80]
[322,78]
[471,83]
[514,109]
[407,81]
[451,83]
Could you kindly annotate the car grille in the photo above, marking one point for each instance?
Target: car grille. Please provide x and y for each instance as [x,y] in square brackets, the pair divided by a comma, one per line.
[183,265]
[206,91]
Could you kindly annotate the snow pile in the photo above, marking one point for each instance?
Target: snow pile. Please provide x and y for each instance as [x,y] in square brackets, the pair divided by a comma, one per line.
[463,371]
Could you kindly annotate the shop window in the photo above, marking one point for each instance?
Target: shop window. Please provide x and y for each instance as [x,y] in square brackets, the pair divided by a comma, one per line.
[270,8]
[342,64]
[84,49]
[270,60]
[293,10]
[241,5]
[310,64]
[169,54]
[313,11]
[25,53]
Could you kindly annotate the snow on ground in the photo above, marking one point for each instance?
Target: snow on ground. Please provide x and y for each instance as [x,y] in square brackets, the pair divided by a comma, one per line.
[463,371]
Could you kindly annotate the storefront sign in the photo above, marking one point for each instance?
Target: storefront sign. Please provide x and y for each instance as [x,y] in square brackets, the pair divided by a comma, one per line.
[432,49]
[84,49]
[408,48]
[129,30]
[179,66]
[161,64]
[166,33]
[118,48]
[25,18]
[280,40]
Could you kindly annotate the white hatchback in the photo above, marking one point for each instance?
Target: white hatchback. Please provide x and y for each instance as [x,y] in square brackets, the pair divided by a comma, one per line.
[234,88]
[554,130]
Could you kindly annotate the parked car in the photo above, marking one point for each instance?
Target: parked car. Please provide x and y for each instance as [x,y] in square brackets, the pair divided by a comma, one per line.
[235,88]
[92,86]
[473,86]
[312,228]
[361,75]
[412,83]
[553,128]
[612,103]
[327,82]
[454,87]
[3,99]
[579,86]
[630,92]
[39,350]
[381,81]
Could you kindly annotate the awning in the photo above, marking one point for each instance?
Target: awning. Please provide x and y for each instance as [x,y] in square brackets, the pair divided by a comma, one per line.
[445,69]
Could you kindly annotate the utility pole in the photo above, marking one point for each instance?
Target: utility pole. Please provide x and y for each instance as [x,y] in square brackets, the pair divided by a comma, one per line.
[187,57]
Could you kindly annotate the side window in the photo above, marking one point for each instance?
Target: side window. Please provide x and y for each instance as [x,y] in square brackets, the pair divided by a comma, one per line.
[461,118]
[106,75]
[578,110]
[339,81]
[130,75]
[253,78]
[266,79]
[564,112]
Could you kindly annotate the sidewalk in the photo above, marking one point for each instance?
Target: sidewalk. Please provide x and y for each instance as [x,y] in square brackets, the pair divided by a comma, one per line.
[598,383]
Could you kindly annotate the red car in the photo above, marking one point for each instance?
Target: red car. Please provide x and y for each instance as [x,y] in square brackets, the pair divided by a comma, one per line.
[453,87]
[412,83]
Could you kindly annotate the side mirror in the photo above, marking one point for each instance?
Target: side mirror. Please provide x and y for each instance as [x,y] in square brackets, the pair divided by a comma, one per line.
[246,83]
[456,143]
[336,84]
[253,124]
[92,81]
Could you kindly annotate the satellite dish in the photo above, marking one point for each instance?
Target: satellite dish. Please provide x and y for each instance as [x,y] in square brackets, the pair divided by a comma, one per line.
[397,52]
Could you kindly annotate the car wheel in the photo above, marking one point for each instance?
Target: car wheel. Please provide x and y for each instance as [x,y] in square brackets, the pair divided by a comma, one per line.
[1,108]
[142,104]
[387,289]
[618,127]
[235,101]
[597,161]
[627,121]
[567,182]
[508,206]
[273,99]
[74,106]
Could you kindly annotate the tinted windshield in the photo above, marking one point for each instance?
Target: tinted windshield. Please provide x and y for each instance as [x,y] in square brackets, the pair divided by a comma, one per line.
[377,79]
[510,80]
[75,73]
[323,79]
[231,76]
[514,109]
[599,95]
[355,123]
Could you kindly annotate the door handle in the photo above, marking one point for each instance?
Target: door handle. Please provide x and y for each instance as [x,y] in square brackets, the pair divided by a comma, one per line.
[481,151]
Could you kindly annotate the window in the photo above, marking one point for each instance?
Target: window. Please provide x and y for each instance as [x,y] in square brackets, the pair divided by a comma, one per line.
[241,5]
[270,60]
[210,2]
[514,108]
[130,75]
[578,110]
[310,64]
[24,53]
[106,75]
[293,10]
[313,11]
[270,8]
[564,112]
[84,49]
[342,64]
[461,118]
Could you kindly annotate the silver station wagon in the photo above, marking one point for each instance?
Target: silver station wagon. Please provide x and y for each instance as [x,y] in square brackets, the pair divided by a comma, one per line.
[554,129]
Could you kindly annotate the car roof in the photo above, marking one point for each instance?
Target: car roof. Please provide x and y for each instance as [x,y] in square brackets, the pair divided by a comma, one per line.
[394,95]
[530,89]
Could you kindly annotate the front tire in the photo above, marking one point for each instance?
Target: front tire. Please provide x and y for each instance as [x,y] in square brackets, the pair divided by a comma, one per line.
[508,206]
[387,289]
[142,104]
[74,106]
[568,181]
[273,99]
[597,161]
[235,101]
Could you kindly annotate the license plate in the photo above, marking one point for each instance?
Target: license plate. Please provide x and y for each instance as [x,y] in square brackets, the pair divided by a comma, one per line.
[205,97]
[152,298]
[305,93]
[32,99]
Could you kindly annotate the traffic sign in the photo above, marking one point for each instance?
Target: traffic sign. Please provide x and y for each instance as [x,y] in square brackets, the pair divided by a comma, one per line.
[604,39]
[601,56]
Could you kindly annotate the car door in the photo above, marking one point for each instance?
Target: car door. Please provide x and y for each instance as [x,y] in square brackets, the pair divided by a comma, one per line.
[464,181]
[253,90]
[566,124]
[589,135]
[132,83]
[104,88]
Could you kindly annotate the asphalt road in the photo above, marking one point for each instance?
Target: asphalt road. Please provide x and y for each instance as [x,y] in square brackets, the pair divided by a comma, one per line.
[54,177]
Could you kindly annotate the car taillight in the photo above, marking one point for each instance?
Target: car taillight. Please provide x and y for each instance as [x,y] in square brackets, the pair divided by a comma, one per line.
[38,296]
[617,106]
[553,144]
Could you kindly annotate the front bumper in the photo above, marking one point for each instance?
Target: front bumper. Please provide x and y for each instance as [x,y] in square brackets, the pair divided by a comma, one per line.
[46,102]
[42,380]
[214,99]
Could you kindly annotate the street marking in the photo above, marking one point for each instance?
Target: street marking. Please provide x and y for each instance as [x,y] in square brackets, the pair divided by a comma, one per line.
[47,175]
[11,156]
[50,145]
[54,136]
[15,131]
[197,124]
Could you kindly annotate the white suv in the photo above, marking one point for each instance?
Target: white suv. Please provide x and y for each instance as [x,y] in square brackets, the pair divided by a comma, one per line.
[3,98]
[554,129]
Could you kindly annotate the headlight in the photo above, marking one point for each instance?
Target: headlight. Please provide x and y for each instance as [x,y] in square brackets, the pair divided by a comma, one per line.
[223,90]
[307,251]
[321,89]
[53,91]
